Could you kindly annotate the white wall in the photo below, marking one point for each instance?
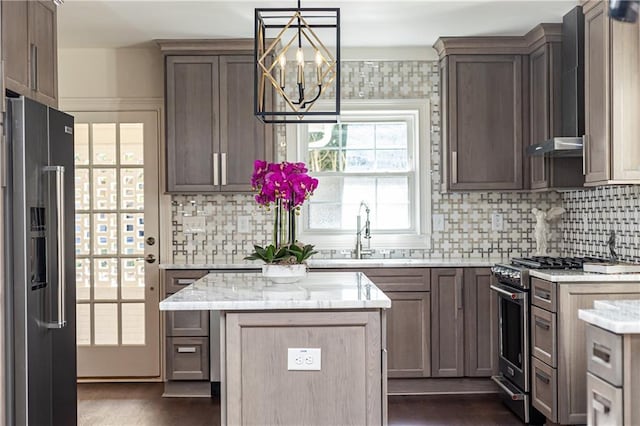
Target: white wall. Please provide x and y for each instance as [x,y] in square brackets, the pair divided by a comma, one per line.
[110,73]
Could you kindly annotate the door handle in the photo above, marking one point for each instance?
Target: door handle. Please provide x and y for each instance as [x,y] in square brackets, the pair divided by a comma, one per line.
[34,66]
[61,322]
[223,161]
[150,258]
[215,169]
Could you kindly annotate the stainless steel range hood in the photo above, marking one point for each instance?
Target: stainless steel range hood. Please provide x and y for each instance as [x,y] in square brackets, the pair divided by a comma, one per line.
[558,147]
[572,92]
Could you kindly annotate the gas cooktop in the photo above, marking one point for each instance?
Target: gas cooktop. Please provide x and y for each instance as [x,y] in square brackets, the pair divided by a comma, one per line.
[549,262]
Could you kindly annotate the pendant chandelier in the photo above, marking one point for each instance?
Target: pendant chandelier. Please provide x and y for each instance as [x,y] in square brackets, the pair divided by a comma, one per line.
[287,88]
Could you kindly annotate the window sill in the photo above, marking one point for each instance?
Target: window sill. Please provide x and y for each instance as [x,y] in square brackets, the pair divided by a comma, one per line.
[378,242]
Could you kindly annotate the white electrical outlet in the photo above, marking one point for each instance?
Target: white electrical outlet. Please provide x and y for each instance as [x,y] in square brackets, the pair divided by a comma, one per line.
[243,224]
[497,221]
[438,222]
[194,224]
[305,359]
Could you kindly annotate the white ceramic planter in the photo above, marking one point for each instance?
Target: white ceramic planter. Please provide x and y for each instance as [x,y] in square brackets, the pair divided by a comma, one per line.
[283,274]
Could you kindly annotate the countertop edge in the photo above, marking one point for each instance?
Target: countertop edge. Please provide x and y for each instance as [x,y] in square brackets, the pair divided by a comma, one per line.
[581,277]
[595,317]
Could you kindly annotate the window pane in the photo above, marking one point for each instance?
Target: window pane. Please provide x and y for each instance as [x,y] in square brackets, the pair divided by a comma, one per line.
[133,324]
[359,160]
[83,323]
[391,216]
[81,143]
[358,189]
[83,279]
[325,160]
[393,190]
[329,189]
[132,233]
[132,279]
[106,323]
[391,160]
[131,143]
[132,189]
[391,135]
[359,136]
[105,189]
[82,189]
[83,234]
[105,280]
[104,143]
[325,216]
[105,236]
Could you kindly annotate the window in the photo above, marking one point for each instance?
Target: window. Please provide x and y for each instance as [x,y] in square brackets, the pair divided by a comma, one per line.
[373,155]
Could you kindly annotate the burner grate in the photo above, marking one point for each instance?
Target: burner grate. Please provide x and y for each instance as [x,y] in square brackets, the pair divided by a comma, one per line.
[550,262]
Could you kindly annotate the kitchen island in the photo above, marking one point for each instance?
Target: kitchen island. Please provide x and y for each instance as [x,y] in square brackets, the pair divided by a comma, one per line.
[311,352]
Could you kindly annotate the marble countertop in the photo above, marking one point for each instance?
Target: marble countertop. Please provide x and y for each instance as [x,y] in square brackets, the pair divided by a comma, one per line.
[577,276]
[617,316]
[353,263]
[250,291]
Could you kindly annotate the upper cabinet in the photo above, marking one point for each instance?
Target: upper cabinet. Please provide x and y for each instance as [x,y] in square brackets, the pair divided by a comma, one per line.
[213,137]
[29,49]
[482,119]
[612,98]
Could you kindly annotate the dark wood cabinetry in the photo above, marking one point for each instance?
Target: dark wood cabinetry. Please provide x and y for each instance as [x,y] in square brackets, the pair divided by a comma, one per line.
[29,49]
[408,320]
[187,333]
[464,323]
[483,121]
[213,138]
[612,98]
[480,324]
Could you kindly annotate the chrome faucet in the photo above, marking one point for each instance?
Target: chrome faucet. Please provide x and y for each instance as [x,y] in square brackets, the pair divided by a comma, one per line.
[360,252]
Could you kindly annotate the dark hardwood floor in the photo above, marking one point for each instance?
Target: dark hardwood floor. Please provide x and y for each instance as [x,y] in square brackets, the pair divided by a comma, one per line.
[124,404]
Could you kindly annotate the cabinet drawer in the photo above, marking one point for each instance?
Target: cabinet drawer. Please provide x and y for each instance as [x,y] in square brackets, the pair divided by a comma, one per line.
[188,323]
[400,279]
[604,403]
[187,358]
[604,355]
[544,392]
[543,335]
[177,280]
[543,294]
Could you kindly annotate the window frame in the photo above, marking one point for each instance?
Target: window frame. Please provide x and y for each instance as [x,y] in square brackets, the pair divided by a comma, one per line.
[419,153]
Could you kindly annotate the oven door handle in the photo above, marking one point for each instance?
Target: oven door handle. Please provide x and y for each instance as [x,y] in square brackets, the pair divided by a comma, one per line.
[512,295]
[513,395]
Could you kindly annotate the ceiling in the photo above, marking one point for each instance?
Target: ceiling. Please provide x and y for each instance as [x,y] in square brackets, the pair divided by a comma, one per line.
[365,23]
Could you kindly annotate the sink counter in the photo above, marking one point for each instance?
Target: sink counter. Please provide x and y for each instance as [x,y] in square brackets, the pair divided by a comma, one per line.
[351,263]
[251,291]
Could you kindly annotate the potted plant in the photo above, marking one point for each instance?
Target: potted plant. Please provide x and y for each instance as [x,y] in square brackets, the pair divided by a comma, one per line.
[285,187]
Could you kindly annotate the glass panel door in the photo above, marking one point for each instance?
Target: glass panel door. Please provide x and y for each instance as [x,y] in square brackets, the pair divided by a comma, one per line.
[116,211]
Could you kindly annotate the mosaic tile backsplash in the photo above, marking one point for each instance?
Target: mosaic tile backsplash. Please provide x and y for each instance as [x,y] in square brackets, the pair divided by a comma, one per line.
[593,213]
[234,222]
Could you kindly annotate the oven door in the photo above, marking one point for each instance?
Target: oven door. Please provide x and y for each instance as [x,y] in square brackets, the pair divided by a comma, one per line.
[513,308]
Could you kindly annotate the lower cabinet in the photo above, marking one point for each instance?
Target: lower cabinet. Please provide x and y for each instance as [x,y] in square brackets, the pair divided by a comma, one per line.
[187,333]
[464,323]
[443,322]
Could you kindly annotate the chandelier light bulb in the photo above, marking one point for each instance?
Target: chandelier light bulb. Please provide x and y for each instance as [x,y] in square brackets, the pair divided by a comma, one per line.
[300,56]
[319,60]
[282,61]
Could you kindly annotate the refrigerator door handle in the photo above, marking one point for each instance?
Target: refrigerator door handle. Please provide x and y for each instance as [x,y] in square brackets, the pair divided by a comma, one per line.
[61,322]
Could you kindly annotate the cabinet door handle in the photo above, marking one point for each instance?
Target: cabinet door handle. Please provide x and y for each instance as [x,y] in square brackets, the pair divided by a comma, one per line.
[215,169]
[585,140]
[600,404]
[542,295]
[34,66]
[454,166]
[460,295]
[186,281]
[543,377]
[543,324]
[601,353]
[223,161]
[187,350]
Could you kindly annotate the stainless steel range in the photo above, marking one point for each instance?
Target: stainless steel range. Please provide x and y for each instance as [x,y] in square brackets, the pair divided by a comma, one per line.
[511,284]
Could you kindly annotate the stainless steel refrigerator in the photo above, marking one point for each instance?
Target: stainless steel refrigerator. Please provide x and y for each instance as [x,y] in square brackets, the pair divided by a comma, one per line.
[40,266]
